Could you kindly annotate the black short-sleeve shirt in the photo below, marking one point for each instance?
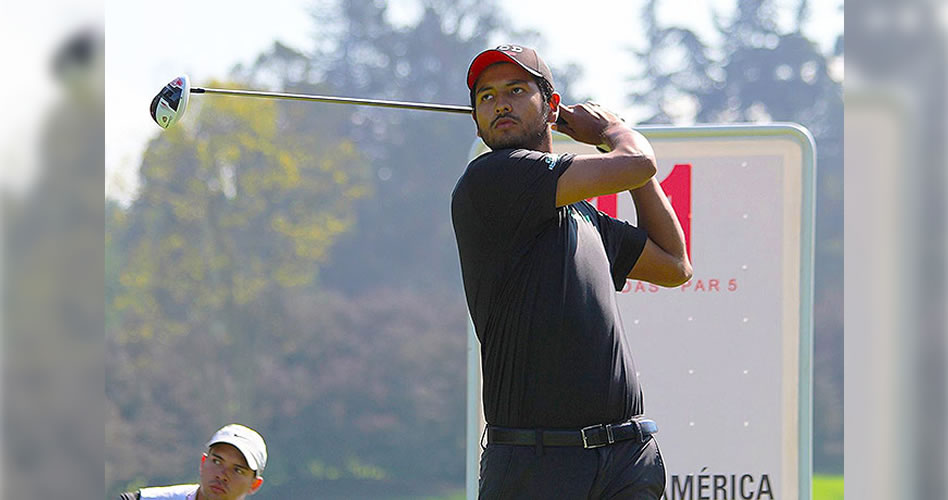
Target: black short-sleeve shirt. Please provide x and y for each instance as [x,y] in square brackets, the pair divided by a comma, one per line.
[541,285]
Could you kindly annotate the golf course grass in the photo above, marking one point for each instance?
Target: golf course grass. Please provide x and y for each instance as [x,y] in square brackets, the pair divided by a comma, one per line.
[827,487]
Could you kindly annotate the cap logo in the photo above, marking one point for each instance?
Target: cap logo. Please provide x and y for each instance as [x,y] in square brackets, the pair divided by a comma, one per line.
[509,48]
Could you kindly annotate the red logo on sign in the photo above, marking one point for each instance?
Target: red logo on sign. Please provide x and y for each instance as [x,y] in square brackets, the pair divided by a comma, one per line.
[677,187]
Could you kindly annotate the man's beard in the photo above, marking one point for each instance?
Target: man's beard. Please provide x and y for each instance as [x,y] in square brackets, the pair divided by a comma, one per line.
[530,137]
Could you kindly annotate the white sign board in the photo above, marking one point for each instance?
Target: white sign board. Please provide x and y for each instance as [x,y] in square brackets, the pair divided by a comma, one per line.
[724,360]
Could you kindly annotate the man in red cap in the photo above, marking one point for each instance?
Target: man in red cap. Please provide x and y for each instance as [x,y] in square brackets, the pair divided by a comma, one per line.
[541,267]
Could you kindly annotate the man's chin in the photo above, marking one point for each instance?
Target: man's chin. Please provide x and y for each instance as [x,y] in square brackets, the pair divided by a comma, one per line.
[502,145]
[509,143]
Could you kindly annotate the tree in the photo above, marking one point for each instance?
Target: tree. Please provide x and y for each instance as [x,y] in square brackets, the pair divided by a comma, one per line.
[416,156]
[233,213]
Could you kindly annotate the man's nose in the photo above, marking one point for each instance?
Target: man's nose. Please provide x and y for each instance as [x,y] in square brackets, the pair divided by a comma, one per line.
[501,107]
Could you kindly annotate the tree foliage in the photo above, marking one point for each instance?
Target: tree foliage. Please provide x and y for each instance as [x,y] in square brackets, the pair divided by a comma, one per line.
[234,212]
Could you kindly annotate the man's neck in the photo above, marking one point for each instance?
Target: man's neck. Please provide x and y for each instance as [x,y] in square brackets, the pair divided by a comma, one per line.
[545,145]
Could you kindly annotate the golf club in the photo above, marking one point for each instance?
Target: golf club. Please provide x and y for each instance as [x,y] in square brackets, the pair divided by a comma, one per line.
[169,105]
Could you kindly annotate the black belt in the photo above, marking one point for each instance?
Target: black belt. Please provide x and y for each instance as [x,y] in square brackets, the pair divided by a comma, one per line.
[593,436]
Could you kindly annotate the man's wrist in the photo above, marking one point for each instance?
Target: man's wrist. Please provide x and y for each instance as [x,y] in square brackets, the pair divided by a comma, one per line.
[613,134]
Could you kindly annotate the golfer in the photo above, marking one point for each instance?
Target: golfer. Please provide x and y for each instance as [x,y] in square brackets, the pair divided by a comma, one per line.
[541,267]
[231,469]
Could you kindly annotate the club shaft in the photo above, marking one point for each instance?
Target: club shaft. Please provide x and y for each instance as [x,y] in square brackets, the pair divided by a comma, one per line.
[449,108]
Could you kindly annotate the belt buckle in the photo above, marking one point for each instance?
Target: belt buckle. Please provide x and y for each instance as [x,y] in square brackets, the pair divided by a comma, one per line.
[610,437]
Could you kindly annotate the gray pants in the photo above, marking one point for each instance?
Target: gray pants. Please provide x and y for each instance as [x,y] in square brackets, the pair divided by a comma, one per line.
[626,470]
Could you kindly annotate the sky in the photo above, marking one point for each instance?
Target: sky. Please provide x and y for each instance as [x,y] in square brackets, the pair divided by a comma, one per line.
[147,45]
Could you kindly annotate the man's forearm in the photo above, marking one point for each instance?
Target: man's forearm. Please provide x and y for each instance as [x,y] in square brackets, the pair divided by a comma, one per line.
[656,216]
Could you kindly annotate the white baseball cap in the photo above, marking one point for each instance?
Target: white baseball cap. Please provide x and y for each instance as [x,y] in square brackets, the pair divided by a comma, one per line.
[246,440]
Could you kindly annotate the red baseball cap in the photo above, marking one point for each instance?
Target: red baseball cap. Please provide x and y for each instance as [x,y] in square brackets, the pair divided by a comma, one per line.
[524,57]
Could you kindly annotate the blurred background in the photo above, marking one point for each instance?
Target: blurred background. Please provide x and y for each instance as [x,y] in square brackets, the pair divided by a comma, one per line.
[291,266]
[896,393]
[51,249]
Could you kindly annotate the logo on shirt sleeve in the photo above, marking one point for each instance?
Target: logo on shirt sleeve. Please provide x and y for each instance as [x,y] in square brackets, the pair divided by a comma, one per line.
[551,160]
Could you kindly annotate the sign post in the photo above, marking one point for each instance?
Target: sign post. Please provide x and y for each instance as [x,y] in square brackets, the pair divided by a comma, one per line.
[725,359]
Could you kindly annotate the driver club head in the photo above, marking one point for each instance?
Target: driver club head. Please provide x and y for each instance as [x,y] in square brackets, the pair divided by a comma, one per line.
[169,105]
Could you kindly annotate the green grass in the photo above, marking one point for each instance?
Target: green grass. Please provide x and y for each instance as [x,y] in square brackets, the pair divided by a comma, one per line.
[459,495]
[827,487]
[455,495]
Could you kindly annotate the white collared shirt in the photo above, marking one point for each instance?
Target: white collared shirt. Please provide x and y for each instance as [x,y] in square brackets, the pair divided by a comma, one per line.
[176,492]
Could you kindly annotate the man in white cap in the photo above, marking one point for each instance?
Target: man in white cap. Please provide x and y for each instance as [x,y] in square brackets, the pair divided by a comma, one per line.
[231,469]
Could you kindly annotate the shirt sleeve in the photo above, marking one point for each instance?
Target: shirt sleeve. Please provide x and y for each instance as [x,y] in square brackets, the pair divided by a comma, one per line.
[130,496]
[623,243]
[514,190]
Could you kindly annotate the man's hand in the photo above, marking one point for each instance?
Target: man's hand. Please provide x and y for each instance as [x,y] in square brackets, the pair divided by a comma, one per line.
[628,162]
[589,123]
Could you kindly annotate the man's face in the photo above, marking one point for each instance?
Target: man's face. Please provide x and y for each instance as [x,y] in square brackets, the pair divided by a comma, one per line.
[509,108]
[225,475]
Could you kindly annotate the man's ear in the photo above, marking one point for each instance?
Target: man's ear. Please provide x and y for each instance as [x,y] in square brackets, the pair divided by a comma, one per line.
[474,116]
[554,112]
[203,458]
[257,483]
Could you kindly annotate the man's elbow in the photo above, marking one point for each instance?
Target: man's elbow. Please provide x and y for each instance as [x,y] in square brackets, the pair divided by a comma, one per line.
[646,169]
[685,272]
[678,275]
